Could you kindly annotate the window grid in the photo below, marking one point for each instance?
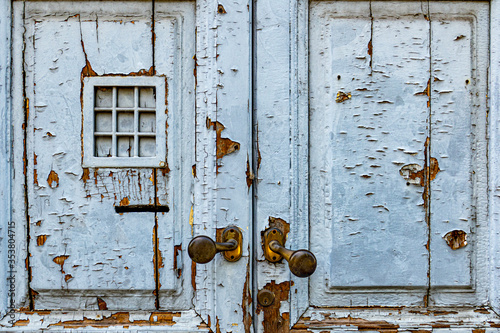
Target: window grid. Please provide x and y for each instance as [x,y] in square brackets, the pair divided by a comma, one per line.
[117,111]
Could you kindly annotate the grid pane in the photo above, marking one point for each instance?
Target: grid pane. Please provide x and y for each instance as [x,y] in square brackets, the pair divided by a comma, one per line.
[103,97]
[147,122]
[125,97]
[125,121]
[147,147]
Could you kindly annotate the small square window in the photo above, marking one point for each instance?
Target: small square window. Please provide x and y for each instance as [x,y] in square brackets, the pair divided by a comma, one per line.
[124,121]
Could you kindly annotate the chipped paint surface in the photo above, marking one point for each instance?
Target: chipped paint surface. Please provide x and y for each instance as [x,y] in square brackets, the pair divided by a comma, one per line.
[456,239]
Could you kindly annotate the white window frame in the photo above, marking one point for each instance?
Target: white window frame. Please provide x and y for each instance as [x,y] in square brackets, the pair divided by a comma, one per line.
[89,158]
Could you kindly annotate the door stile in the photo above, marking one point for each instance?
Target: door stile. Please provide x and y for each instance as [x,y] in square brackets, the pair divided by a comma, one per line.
[494,156]
[222,173]
[5,154]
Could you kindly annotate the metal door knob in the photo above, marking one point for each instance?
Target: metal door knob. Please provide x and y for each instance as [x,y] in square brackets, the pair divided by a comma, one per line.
[302,263]
[203,249]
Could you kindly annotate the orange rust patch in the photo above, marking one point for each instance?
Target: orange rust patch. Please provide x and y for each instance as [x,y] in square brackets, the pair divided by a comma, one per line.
[361,324]
[22,322]
[101,304]
[478,330]
[275,321]
[225,146]
[122,318]
[194,170]
[68,277]
[177,249]
[60,261]
[85,175]
[342,97]
[249,173]
[53,179]
[50,135]
[370,48]
[35,177]
[217,325]
[124,202]
[246,302]
[193,275]
[276,222]
[40,240]
[414,173]
[456,239]
[220,9]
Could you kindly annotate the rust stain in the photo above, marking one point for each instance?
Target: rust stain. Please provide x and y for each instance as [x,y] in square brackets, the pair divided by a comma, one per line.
[60,261]
[68,277]
[478,330]
[361,324]
[275,321]
[246,302]
[40,240]
[35,172]
[459,37]
[342,97]
[50,135]
[121,318]
[85,175]
[217,325]
[124,202]
[370,48]
[53,178]
[193,275]
[276,222]
[101,304]
[22,322]
[426,92]
[482,310]
[249,173]
[177,249]
[220,9]
[193,168]
[456,239]
[225,146]
[38,223]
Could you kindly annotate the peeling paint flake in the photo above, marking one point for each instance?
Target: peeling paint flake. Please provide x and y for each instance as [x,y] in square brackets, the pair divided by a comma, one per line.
[53,179]
[225,146]
[342,97]
[456,239]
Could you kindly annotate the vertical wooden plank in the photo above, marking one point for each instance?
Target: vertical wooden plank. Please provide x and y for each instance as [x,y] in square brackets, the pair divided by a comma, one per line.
[458,196]
[451,147]
[174,49]
[5,154]
[234,160]
[223,154]
[494,156]
[21,298]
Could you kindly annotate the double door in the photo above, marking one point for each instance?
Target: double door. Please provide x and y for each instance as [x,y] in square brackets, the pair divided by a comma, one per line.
[356,130]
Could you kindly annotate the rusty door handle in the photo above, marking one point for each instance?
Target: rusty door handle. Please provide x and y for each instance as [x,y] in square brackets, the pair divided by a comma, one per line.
[302,263]
[203,249]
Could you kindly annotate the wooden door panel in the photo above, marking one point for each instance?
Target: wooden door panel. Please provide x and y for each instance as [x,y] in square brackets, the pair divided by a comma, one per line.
[359,143]
[383,94]
[87,255]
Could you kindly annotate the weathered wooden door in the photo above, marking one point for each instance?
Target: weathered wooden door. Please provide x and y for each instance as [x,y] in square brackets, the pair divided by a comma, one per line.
[131,135]
[372,152]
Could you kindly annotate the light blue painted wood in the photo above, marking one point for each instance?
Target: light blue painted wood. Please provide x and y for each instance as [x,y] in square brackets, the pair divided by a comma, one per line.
[5,148]
[494,156]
